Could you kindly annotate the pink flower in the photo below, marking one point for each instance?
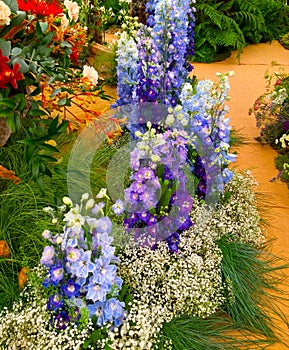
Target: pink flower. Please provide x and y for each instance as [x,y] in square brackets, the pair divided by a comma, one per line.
[5,14]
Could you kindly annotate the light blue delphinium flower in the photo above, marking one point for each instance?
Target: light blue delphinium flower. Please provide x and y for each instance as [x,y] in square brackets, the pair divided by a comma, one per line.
[118,207]
[97,292]
[83,265]
[104,272]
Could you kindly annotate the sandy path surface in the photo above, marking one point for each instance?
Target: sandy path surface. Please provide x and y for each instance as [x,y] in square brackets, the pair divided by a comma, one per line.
[248,84]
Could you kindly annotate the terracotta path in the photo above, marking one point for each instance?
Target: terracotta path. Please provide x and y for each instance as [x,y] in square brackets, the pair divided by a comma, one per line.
[247,84]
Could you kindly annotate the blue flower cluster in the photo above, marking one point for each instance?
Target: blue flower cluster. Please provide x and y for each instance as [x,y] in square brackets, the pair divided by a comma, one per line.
[163,49]
[82,271]
[196,131]
[202,114]
[127,69]
[159,67]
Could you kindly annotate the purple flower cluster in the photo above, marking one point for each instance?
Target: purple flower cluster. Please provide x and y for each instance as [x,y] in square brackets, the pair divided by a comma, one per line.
[82,270]
[157,203]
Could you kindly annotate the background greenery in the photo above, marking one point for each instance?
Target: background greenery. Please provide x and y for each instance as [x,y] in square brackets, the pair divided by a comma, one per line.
[224,26]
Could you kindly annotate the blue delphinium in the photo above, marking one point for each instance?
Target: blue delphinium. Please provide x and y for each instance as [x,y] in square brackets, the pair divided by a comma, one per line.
[127,69]
[153,66]
[163,50]
[82,267]
[202,113]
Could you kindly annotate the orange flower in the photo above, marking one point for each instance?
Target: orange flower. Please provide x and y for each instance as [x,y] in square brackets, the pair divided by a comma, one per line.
[22,277]
[4,249]
[8,175]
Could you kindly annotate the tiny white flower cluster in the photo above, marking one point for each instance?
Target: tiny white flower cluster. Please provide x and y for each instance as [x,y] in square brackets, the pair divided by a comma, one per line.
[165,285]
[27,325]
[278,97]
[237,216]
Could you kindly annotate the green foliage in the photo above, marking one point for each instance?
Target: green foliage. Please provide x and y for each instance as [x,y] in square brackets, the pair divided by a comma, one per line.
[280,160]
[215,32]
[276,17]
[21,223]
[22,219]
[39,155]
[284,41]
[224,26]
[217,332]
[200,333]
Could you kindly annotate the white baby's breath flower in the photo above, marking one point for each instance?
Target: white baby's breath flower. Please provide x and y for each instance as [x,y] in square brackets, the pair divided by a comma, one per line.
[90,73]
[5,14]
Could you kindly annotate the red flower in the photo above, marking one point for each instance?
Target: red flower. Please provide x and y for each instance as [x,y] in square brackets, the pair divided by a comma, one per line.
[40,7]
[15,75]
[3,59]
[9,76]
[74,55]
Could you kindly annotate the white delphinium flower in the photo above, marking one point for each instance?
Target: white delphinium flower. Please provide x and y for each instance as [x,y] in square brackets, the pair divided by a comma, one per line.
[74,218]
[102,193]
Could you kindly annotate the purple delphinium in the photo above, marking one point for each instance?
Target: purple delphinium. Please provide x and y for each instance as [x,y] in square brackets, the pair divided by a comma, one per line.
[173,242]
[118,207]
[62,320]
[56,273]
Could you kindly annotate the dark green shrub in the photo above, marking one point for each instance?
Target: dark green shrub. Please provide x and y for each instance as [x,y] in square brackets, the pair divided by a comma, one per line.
[224,26]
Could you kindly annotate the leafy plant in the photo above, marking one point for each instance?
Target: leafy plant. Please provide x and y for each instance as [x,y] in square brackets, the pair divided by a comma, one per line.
[280,162]
[284,41]
[224,26]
